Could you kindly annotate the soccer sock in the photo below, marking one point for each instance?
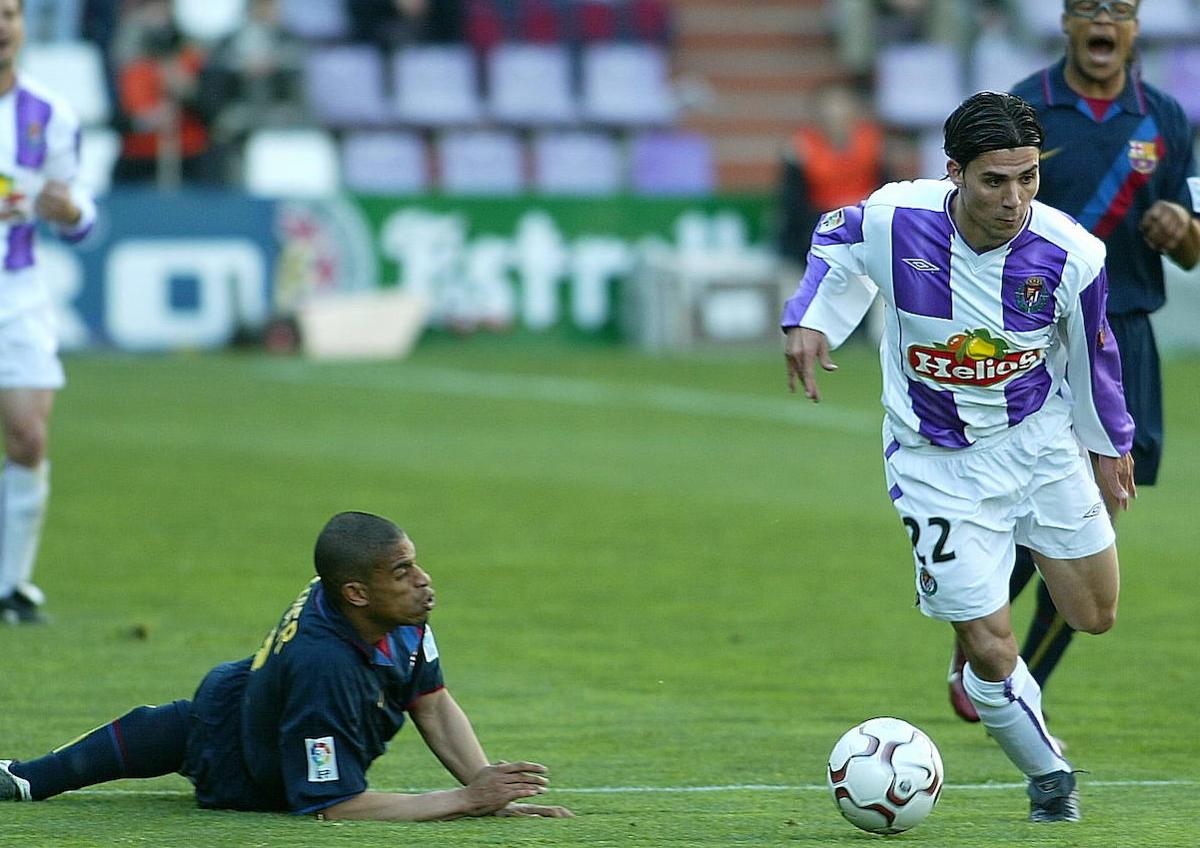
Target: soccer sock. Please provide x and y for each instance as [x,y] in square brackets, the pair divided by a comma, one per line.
[1011,710]
[23,495]
[1048,637]
[145,742]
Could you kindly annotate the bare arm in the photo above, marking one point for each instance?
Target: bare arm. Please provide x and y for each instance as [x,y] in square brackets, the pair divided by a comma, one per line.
[449,734]
[1169,228]
[489,792]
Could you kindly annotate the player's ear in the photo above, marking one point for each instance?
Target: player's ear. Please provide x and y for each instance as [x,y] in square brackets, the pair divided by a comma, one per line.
[955,172]
[355,593]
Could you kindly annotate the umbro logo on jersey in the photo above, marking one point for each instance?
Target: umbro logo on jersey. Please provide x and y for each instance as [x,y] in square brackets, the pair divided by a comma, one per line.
[919,264]
[1093,512]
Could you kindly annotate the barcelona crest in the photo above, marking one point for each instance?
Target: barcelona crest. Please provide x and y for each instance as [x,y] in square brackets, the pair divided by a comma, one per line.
[1143,156]
[1031,295]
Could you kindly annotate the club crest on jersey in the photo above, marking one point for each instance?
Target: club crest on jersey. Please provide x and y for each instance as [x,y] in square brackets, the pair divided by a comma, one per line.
[831,221]
[1143,156]
[928,583]
[1031,295]
[971,358]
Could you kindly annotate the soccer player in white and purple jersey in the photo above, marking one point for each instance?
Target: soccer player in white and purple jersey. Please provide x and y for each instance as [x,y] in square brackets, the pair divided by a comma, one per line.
[998,364]
[39,154]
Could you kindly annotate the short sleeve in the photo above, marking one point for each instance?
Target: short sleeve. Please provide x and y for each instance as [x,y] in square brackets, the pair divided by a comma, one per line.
[322,755]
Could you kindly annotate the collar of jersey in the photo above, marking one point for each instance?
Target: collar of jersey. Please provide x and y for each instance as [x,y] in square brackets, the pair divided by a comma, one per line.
[1061,94]
[341,625]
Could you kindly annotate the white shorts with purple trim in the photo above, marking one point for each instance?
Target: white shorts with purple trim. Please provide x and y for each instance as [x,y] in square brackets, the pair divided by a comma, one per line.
[29,351]
[966,509]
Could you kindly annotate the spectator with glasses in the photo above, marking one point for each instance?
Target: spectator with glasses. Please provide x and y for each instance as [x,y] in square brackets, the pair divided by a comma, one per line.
[1118,158]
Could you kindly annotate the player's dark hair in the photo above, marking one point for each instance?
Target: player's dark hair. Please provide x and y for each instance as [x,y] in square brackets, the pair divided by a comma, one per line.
[991,120]
[349,545]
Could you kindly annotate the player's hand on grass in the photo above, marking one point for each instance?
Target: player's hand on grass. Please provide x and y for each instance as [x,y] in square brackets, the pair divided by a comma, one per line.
[535,811]
[54,204]
[1116,481]
[1164,225]
[803,350]
[496,786]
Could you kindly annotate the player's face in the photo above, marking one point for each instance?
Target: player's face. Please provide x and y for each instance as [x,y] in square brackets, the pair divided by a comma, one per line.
[1098,48]
[12,32]
[400,591]
[994,193]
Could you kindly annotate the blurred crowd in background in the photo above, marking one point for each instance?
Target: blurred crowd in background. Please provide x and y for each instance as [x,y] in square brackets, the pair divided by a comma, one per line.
[507,96]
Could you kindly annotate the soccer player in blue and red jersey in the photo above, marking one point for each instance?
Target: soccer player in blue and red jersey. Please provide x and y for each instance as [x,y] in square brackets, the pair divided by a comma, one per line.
[296,726]
[1118,158]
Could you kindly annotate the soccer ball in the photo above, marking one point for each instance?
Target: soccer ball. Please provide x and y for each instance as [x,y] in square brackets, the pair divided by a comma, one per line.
[885,775]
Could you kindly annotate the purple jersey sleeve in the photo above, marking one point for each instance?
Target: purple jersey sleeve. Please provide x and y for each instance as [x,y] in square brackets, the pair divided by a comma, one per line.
[1101,420]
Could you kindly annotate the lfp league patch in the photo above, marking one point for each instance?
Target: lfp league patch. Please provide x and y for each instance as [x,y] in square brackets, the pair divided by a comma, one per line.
[1193,184]
[322,760]
[831,221]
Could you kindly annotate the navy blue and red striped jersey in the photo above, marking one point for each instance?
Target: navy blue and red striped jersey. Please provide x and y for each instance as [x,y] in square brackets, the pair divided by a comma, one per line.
[1107,170]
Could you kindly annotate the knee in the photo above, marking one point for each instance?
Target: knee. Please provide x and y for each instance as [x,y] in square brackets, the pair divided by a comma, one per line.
[1097,621]
[992,658]
[25,441]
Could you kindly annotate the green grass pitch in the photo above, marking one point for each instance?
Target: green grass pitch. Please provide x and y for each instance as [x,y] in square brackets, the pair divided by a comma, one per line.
[667,579]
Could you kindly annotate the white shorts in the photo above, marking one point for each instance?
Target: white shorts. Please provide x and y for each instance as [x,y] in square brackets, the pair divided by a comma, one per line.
[965,511]
[29,352]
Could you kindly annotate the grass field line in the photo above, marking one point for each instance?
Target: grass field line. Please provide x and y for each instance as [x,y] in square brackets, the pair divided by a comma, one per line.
[579,391]
[732,787]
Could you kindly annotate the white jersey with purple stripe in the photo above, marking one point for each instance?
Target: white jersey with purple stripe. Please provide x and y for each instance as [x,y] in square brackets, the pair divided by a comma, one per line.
[973,343]
[39,141]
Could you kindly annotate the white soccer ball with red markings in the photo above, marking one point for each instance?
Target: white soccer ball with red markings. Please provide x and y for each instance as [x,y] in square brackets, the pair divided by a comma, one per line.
[885,775]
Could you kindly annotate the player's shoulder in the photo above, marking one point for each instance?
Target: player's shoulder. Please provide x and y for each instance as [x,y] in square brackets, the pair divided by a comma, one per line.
[60,107]
[1063,231]
[1161,104]
[911,194]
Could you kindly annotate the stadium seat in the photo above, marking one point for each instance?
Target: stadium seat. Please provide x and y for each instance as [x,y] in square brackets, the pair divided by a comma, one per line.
[918,85]
[673,162]
[384,162]
[1181,77]
[576,162]
[343,85]
[931,154]
[1041,19]
[530,84]
[483,25]
[650,20]
[209,20]
[595,20]
[315,20]
[481,162]
[99,148]
[626,84]
[436,85]
[996,64]
[539,22]
[1167,19]
[73,70]
[291,163]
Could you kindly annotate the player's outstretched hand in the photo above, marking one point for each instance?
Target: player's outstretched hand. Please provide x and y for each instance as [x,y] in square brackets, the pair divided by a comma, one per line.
[535,811]
[496,786]
[1164,225]
[804,348]
[1116,480]
[54,204]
